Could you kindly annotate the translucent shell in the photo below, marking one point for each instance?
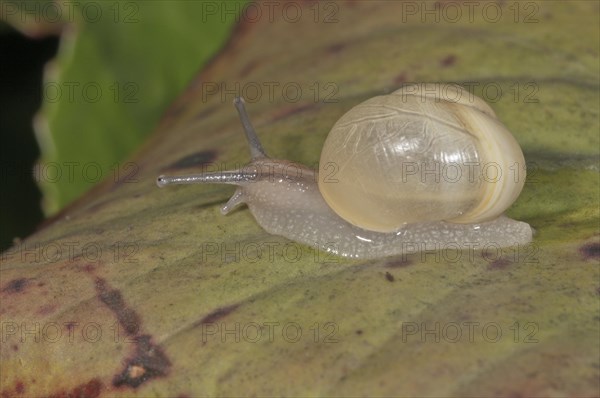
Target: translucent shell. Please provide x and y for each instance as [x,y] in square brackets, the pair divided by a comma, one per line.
[423,153]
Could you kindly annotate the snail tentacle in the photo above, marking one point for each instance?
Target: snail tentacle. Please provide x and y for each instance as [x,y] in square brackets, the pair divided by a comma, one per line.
[256,149]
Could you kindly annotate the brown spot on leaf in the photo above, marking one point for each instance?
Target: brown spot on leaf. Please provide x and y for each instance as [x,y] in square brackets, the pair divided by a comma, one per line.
[389,277]
[590,251]
[15,286]
[89,268]
[148,362]
[112,298]
[19,387]
[448,61]
[91,389]
[194,160]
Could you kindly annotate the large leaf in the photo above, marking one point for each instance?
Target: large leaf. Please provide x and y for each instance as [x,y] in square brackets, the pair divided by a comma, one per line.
[191,303]
[119,65]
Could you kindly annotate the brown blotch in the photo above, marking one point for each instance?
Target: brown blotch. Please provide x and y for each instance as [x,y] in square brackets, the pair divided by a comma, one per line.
[15,286]
[148,362]
[113,299]
[448,61]
[89,268]
[590,251]
[359,332]
[91,389]
[501,263]
[389,277]
[398,263]
[218,314]
[194,160]
[15,347]
[19,387]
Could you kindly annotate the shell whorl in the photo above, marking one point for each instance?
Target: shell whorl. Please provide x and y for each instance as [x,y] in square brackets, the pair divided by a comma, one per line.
[419,155]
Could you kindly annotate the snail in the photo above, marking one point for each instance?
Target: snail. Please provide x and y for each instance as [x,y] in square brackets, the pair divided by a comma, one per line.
[423,168]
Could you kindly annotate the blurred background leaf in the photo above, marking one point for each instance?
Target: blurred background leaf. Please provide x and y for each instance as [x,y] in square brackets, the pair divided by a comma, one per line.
[118,67]
[21,66]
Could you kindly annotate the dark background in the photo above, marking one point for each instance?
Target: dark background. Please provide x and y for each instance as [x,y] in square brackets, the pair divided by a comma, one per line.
[22,63]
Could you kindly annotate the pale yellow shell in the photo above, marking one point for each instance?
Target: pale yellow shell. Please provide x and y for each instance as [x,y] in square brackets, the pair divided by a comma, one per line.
[423,153]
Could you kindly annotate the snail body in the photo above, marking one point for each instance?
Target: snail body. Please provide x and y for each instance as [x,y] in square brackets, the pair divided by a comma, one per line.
[371,197]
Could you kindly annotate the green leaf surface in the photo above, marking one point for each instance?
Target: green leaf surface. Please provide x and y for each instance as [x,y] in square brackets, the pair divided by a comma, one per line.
[119,66]
[164,296]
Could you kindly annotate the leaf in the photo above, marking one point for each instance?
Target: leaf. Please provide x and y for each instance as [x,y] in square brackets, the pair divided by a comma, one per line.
[120,64]
[136,290]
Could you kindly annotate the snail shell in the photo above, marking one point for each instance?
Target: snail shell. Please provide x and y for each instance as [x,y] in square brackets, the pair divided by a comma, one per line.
[392,152]
[371,197]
